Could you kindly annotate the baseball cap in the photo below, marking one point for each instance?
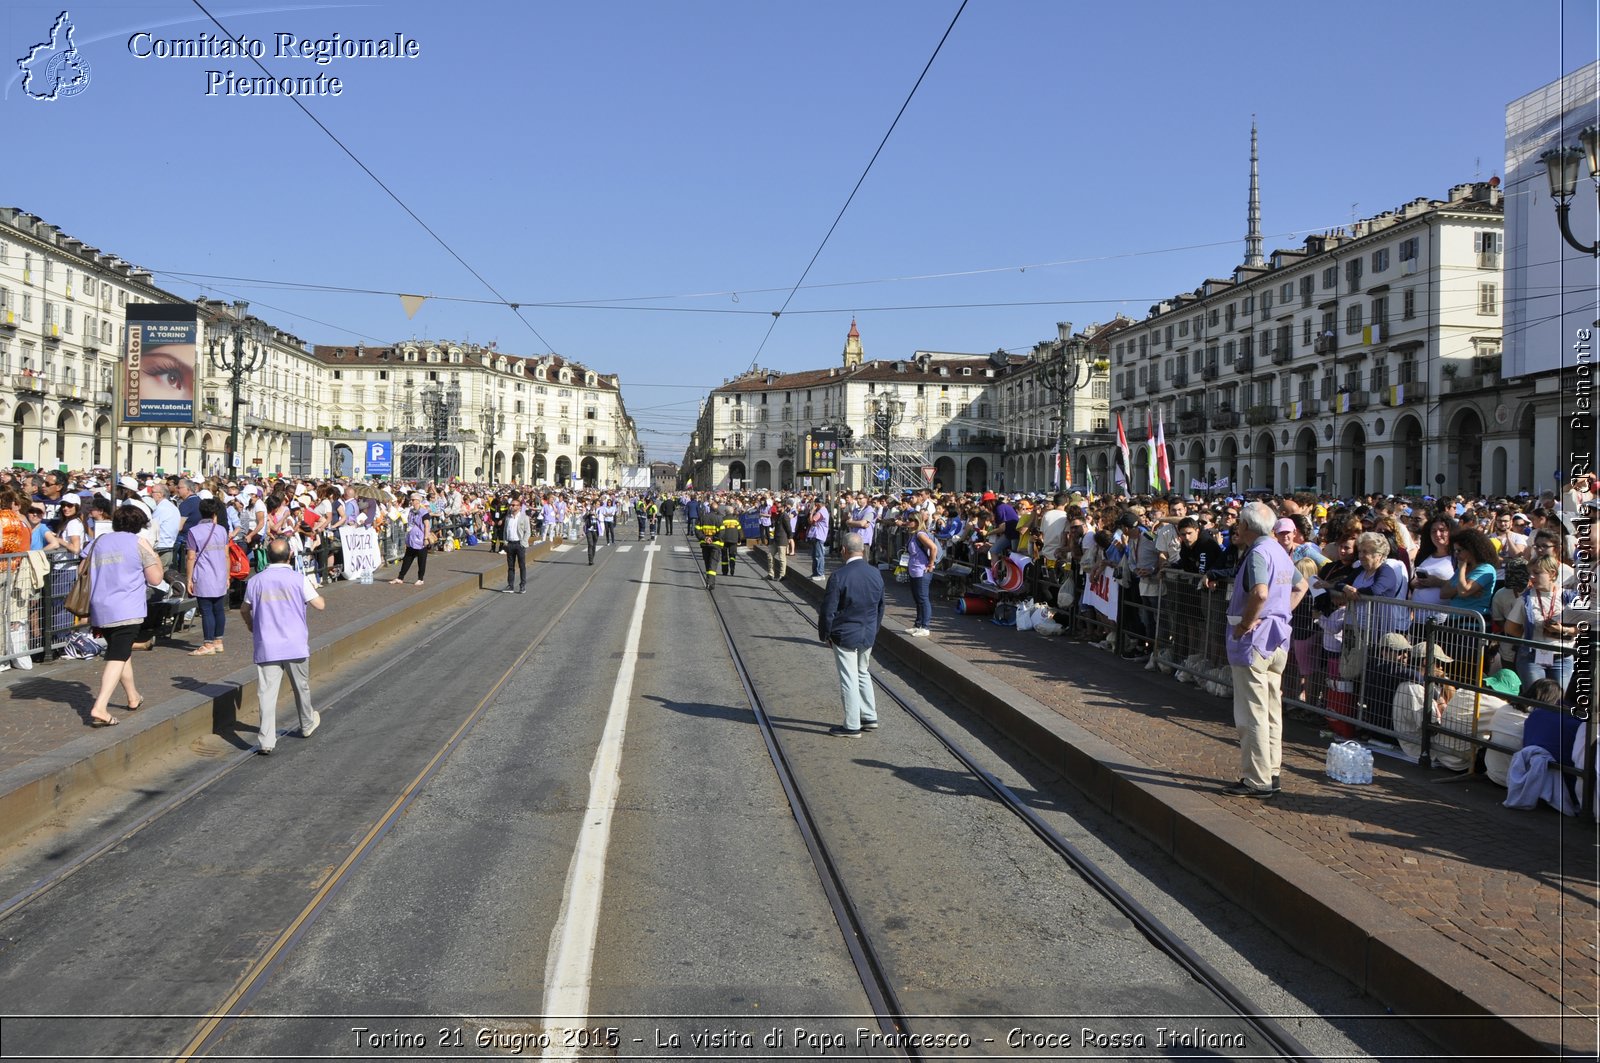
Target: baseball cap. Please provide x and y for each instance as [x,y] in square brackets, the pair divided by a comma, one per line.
[1439,656]
[1395,641]
[1284,524]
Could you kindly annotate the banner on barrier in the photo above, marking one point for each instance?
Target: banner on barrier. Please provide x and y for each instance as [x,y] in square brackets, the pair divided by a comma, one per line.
[1102,593]
[361,552]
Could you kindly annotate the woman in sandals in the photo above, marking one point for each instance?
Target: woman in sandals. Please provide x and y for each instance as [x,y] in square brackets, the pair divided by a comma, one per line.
[121,566]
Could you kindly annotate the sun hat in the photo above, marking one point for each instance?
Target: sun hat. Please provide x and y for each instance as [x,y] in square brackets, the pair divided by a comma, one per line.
[1395,641]
[1505,681]
[1439,656]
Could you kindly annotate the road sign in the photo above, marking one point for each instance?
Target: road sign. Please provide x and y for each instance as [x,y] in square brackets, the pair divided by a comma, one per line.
[882,476]
[238,461]
[380,458]
[928,472]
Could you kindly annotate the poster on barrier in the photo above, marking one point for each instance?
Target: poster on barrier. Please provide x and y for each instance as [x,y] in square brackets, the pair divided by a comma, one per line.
[361,553]
[1102,593]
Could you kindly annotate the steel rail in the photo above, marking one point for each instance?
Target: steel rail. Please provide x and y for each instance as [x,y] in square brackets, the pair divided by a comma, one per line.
[1281,1041]
[217,1024]
[886,1007]
[42,886]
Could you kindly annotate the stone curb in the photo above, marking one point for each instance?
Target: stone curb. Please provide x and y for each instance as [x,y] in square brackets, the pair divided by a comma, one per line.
[32,792]
[1450,993]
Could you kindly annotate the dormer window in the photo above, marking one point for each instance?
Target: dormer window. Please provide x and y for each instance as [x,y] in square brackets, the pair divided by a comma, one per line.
[588,380]
[566,376]
[539,372]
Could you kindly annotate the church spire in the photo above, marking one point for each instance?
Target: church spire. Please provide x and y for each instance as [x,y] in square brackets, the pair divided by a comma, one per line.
[852,346]
[1252,239]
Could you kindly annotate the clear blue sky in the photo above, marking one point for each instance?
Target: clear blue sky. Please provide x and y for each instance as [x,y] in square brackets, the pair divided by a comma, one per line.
[628,151]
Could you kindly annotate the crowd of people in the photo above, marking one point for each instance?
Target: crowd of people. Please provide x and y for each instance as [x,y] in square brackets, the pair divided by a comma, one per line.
[1525,564]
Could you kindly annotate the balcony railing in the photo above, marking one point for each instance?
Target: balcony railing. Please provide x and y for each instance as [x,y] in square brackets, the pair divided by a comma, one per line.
[30,382]
[1180,379]
[1153,387]
[1301,409]
[103,398]
[1245,363]
[1282,356]
[1403,394]
[1351,401]
[1210,371]
[1471,382]
[1126,391]
[1259,415]
[1191,421]
[1223,420]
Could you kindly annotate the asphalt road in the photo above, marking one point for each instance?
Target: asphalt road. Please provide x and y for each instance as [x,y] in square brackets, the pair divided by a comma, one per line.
[713,935]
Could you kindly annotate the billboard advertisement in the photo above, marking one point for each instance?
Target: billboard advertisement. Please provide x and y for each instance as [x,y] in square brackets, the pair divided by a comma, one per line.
[158,380]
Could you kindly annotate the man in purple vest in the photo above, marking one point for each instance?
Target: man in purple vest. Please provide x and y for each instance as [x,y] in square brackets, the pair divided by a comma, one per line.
[1265,591]
[274,611]
[817,533]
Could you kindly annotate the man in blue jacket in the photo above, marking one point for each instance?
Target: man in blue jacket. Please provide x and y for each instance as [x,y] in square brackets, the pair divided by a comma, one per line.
[851,613]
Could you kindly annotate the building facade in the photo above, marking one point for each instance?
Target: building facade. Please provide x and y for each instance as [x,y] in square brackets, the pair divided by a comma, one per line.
[1063,382]
[930,419]
[302,410]
[1356,364]
[455,410]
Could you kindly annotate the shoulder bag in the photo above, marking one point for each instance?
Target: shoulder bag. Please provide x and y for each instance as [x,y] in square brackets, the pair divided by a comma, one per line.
[77,600]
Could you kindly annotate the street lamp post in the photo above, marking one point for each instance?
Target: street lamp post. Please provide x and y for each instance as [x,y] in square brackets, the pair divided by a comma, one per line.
[540,444]
[494,422]
[1064,375]
[438,404]
[887,411]
[246,355]
[1561,167]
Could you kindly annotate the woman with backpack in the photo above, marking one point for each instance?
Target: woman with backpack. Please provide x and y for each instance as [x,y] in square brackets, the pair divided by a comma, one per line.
[207,573]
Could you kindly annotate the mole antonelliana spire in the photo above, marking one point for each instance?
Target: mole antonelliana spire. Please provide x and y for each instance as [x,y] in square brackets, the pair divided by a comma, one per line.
[1252,239]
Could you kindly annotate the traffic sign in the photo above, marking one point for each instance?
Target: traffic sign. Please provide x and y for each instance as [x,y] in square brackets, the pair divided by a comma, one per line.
[882,476]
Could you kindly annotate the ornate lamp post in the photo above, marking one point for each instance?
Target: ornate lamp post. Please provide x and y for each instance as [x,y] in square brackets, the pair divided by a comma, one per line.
[887,411]
[1562,166]
[494,422]
[439,404]
[247,354]
[1064,375]
[540,444]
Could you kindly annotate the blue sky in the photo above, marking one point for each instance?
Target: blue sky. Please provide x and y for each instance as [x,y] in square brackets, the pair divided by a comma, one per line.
[625,152]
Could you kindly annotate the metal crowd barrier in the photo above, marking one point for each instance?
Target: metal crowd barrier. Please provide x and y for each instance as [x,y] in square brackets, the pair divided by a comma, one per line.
[32,617]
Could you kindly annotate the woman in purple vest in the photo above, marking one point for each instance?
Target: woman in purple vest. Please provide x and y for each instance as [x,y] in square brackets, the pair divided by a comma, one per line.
[207,574]
[921,554]
[121,566]
[418,521]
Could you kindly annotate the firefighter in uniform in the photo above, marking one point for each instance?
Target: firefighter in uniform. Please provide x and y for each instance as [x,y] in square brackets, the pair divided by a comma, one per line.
[499,507]
[708,531]
[731,533]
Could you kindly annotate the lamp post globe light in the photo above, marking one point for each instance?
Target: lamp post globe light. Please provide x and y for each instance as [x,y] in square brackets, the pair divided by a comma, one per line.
[494,422]
[246,355]
[887,411]
[1562,166]
[439,403]
[1064,375]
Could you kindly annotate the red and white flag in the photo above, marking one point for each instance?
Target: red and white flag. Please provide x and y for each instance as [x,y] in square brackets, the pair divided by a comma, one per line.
[1124,460]
[1161,453]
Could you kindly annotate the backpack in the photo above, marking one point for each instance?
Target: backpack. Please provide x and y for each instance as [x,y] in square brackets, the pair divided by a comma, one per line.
[238,562]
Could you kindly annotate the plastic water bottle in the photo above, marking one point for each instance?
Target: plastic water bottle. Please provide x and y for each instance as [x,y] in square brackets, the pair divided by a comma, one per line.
[1336,761]
[1364,766]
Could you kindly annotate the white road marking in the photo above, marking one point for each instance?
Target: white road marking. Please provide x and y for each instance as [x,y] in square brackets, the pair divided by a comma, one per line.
[562,548]
[571,964]
[652,549]
[624,548]
[681,549]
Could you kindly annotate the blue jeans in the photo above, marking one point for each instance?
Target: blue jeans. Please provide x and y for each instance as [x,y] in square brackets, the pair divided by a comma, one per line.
[818,547]
[1530,673]
[213,617]
[855,685]
[920,586]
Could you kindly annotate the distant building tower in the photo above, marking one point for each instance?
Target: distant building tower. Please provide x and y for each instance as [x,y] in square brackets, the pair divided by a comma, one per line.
[852,346]
[1252,239]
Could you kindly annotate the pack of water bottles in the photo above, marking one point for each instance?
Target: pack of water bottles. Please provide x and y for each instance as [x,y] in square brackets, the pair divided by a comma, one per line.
[1349,762]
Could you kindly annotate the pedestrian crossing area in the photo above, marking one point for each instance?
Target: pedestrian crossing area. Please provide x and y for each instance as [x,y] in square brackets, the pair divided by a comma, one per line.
[624,548]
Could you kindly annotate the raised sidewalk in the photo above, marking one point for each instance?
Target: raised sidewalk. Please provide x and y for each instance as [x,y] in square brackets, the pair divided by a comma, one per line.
[1428,894]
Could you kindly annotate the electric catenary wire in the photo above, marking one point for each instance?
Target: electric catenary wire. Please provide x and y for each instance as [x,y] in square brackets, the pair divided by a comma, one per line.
[515,308]
[776,314]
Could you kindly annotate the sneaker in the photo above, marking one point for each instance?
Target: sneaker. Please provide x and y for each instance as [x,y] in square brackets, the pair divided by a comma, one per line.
[508,590]
[912,630]
[522,589]
[869,725]
[840,731]
[265,751]
[1244,789]
[920,633]
[316,721]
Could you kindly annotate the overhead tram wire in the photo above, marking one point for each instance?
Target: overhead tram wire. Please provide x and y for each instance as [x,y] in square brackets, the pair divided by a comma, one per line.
[776,314]
[515,308]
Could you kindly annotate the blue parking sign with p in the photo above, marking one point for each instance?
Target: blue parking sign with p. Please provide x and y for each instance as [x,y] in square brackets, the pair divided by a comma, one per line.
[380,458]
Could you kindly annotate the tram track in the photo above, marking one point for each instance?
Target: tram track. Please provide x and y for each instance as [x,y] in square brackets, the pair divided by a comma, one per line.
[868,958]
